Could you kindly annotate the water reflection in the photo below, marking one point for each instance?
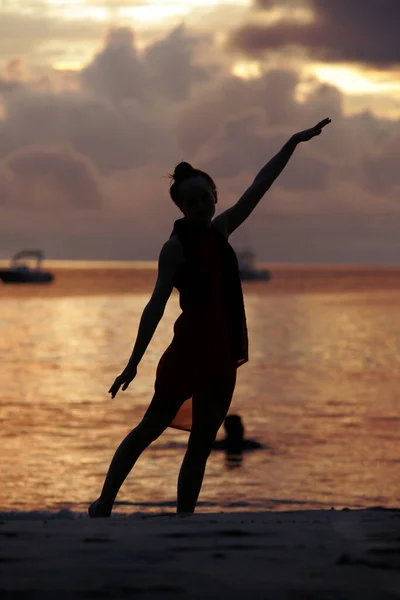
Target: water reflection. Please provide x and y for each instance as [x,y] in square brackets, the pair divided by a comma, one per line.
[321,389]
[235,444]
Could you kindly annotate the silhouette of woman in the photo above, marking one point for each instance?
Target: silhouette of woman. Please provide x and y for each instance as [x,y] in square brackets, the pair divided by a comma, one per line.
[196,375]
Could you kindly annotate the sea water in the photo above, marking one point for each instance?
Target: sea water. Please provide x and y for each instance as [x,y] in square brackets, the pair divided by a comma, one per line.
[320,392]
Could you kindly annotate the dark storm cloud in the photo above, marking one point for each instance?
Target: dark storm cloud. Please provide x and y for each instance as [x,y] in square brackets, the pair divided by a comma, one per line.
[365,31]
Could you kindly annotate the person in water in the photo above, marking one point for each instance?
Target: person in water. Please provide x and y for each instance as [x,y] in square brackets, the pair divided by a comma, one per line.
[235,442]
[196,375]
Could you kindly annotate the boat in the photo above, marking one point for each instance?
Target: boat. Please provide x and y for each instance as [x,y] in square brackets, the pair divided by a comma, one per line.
[247,271]
[20,272]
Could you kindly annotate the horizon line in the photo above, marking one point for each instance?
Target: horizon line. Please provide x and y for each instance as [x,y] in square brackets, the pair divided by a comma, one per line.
[153,264]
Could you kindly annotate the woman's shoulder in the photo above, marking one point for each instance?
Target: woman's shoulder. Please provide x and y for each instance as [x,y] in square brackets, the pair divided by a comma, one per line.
[174,240]
[173,249]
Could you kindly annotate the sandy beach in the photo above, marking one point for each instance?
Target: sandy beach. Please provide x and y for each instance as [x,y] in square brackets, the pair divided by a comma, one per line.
[333,554]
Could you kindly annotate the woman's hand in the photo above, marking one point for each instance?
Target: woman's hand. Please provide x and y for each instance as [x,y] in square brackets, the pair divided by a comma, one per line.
[127,375]
[308,134]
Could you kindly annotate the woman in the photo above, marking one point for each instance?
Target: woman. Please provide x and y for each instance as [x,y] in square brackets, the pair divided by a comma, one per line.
[196,375]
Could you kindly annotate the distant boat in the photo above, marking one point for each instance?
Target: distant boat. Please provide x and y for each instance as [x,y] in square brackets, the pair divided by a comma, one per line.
[20,272]
[247,271]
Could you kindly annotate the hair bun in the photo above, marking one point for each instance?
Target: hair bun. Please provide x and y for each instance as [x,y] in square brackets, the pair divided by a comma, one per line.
[183,171]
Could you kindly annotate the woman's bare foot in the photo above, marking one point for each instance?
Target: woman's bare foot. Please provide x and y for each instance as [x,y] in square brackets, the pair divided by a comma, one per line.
[98,509]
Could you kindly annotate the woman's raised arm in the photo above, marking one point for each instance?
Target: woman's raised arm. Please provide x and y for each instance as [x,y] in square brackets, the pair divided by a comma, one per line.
[233,217]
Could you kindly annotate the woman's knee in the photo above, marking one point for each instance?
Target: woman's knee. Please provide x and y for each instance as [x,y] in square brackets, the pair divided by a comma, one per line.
[200,446]
[151,428]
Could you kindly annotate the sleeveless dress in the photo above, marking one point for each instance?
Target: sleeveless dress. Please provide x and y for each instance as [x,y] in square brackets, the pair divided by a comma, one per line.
[210,335]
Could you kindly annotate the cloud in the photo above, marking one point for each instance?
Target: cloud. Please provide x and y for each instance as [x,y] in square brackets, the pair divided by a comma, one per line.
[165,68]
[382,165]
[363,31]
[234,125]
[40,177]
[104,139]
[39,33]
[116,3]
[108,118]
[116,72]
[171,67]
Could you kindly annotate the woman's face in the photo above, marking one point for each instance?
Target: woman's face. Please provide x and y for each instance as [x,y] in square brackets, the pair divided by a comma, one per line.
[197,200]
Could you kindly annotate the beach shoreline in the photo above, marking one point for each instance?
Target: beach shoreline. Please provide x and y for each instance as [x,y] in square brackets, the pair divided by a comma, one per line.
[313,554]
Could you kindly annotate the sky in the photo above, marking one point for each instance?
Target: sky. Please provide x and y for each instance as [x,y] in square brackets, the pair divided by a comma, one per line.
[100,100]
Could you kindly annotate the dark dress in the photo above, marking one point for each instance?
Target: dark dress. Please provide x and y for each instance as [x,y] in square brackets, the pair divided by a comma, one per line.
[210,335]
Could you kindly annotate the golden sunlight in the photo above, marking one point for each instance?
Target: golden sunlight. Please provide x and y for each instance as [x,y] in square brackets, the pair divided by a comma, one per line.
[67,65]
[154,14]
[80,11]
[301,14]
[352,81]
[145,13]
[247,70]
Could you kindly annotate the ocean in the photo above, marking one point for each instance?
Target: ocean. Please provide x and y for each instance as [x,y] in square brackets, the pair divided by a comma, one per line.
[320,391]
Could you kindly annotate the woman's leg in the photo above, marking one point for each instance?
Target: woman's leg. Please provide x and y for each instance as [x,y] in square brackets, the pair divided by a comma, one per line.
[156,420]
[210,407]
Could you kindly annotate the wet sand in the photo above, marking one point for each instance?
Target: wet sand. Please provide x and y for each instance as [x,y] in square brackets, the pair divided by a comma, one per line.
[319,555]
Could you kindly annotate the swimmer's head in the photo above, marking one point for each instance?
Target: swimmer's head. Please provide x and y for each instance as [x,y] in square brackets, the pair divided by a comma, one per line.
[234,427]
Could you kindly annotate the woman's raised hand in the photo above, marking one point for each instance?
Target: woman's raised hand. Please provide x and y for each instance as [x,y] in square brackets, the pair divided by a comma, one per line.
[127,375]
[308,134]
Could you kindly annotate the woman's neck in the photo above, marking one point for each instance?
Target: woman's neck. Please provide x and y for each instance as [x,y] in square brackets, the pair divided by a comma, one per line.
[197,225]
